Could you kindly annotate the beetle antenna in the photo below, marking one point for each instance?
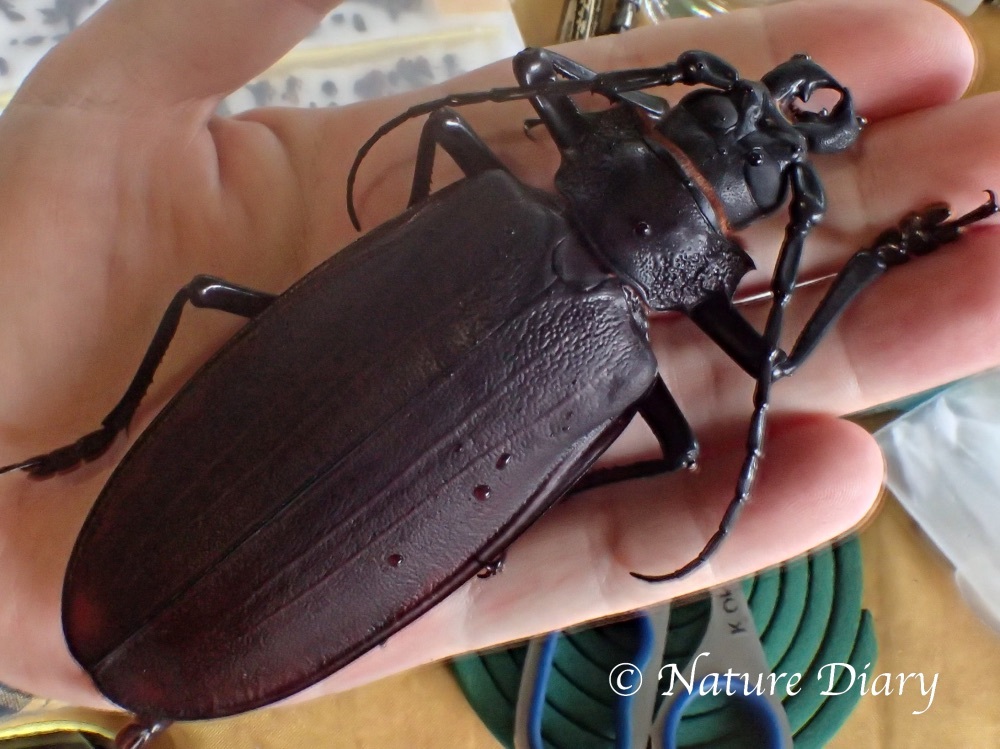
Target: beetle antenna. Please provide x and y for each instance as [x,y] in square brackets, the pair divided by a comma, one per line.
[806,208]
[748,475]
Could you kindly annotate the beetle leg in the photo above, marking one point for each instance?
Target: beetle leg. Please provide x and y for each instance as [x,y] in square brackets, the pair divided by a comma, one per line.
[670,427]
[559,112]
[673,433]
[203,291]
[448,129]
[917,234]
[723,323]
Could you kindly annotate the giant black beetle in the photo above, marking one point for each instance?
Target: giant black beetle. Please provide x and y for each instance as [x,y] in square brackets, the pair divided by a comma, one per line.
[466,368]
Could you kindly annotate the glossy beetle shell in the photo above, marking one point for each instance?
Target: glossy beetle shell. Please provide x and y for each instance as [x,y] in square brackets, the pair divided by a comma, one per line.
[353,455]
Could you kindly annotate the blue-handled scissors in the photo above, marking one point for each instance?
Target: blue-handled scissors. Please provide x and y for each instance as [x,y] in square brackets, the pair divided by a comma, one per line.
[730,646]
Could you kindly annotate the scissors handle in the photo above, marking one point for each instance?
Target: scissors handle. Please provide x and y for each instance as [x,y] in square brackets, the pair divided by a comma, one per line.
[729,651]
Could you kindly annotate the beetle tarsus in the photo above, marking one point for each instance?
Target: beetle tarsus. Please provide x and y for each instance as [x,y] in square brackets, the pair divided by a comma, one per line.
[924,231]
[87,448]
[918,234]
[203,291]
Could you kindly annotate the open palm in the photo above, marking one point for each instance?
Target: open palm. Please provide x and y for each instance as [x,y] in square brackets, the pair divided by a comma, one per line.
[118,185]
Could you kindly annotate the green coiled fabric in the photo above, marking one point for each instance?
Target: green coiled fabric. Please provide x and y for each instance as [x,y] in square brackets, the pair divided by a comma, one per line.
[808,614]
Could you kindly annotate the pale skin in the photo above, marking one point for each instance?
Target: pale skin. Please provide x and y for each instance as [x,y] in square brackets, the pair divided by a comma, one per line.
[118,185]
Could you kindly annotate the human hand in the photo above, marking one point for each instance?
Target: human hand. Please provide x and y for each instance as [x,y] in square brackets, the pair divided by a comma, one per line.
[119,185]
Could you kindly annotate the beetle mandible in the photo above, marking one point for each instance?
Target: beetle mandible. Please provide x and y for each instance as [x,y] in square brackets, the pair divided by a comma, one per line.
[466,369]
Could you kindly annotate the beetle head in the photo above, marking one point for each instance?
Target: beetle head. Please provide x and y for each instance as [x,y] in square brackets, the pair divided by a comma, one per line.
[826,131]
[741,141]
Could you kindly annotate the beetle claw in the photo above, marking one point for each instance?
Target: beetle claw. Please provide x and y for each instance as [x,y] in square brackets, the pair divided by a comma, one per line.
[924,231]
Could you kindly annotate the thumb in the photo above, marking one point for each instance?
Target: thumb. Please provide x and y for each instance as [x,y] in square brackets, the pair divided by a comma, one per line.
[157,53]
